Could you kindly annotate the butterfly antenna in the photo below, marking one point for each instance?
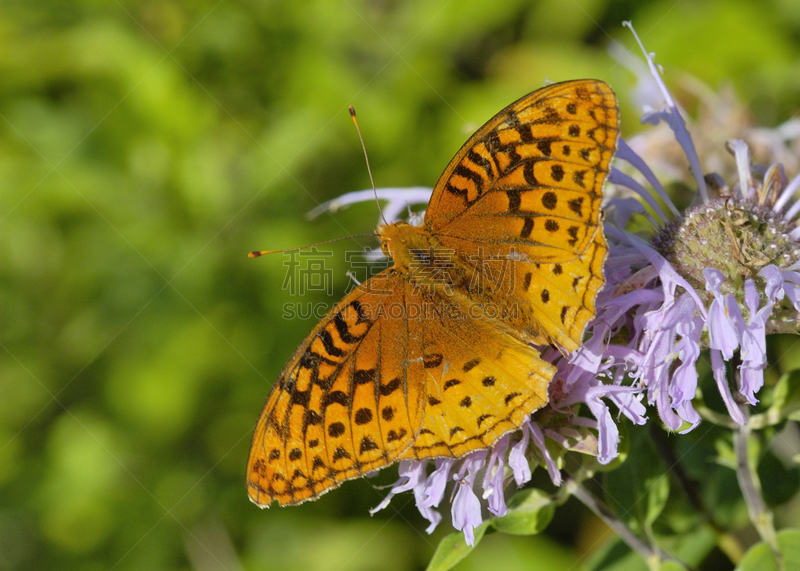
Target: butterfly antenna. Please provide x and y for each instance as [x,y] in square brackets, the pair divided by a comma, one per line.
[258,253]
[366,159]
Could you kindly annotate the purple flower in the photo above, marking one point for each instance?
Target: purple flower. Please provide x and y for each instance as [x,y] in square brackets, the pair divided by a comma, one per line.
[713,277]
[466,505]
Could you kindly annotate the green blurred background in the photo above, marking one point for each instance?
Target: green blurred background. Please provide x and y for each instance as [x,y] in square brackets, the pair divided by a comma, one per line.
[146,147]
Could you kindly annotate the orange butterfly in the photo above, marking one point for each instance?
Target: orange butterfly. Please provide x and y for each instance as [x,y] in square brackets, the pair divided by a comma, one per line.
[433,356]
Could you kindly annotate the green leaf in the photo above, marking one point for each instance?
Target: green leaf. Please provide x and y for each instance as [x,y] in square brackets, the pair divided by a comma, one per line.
[789,545]
[638,491]
[530,511]
[779,482]
[453,548]
[787,394]
[618,556]
[758,558]
[761,558]
[615,556]
[690,546]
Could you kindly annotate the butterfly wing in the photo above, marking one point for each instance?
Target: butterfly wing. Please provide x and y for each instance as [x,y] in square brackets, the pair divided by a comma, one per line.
[348,402]
[392,372]
[526,188]
[481,380]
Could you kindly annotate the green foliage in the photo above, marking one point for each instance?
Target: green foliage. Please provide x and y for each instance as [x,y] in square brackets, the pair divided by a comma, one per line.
[453,548]
[761,558]
[529,512]
[146,147]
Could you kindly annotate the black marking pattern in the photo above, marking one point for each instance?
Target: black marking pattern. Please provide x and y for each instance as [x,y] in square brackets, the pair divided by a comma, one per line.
[363,416]
[527,228]
[451,383]
[469,365]
[390,387]
[336,429]
[550,200]
[432,361]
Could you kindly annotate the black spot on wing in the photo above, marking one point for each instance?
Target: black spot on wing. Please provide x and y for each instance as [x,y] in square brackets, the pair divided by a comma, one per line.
[390,387]
[336,429]
[469,365]
[526,282]
[549,200]
[394,436]
[367,444]
[455,430]
[363,416]
[432,360]
[527,228]
[364,376]
[514,200]
[335,397]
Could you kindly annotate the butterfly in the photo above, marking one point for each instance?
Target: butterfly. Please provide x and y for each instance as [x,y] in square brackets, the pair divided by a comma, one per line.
[436,356]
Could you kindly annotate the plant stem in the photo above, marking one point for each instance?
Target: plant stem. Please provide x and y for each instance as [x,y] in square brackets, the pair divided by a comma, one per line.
[651,554]
[750,485]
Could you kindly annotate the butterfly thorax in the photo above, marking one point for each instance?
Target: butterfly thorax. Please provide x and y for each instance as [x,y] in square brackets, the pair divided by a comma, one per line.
[420,257]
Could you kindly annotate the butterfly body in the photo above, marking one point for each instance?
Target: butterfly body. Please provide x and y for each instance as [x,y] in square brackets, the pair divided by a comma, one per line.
[435,356]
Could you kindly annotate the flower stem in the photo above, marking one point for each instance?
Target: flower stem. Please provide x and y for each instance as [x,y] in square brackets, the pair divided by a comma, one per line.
[651,554]
[750,485]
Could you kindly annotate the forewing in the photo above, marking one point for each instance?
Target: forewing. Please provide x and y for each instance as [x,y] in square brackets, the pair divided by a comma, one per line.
[520,206]
[533,175]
